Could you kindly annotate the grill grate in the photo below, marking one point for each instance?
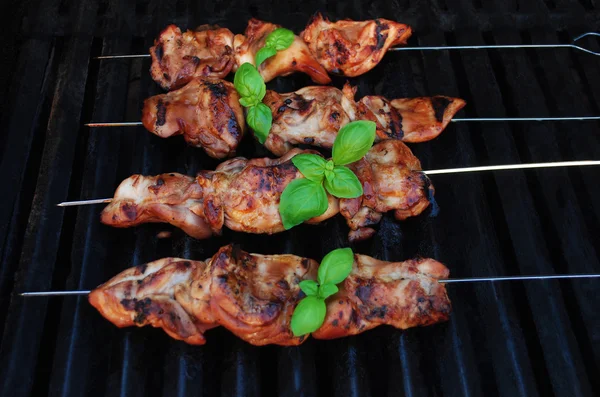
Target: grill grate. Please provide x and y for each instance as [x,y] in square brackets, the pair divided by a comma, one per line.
[513,339]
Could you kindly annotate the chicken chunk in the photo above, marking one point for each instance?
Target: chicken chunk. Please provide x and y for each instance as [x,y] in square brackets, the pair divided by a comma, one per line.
[207,112]
[351,48]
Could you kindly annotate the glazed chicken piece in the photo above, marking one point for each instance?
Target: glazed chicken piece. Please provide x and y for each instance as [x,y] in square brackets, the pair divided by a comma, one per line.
[351,48]
[178,57]
[207,112]
[409,119]
[244,195]
[391,181]
[254,296]
[296,58]
[313,116]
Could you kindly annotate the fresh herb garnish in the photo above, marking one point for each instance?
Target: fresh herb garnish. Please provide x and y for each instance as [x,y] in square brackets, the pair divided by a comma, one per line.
[278,40]
[252,89]
[303,199]
[310,312]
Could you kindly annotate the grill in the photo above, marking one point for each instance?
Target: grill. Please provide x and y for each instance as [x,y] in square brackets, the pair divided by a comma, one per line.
[506,339]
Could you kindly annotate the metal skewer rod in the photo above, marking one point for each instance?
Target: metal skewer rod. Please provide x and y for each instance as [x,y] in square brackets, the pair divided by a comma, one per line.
[448,281]
[505,46]
[513,167]
[122,124]
[430,172]
[441,48]
[482,119]
[123,56]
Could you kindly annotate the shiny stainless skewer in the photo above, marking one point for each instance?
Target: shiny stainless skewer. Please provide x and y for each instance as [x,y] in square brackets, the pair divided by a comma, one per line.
[482,119]
[581,163]
[442,48]
[505,46]
[448,281]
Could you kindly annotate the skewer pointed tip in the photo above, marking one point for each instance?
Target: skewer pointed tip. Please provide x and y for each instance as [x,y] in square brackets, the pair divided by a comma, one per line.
[84,202]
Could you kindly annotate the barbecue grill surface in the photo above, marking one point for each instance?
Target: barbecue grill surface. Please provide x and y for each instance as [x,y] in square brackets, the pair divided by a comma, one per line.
[505,339]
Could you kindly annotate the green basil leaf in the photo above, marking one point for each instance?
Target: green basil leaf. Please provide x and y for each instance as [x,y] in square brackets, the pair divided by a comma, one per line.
[310,165]
[263,54]
[309,287]
[344,184]
[259,118]
[280,39]
[301,200]
[308,315]
[353,141]
[326,290]
[249,83]
[249,101]
[336,266]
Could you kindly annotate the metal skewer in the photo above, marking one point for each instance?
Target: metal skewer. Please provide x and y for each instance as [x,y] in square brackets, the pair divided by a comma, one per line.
[504,46]
[441,48]
[481,119]
[448,281]
[430,172]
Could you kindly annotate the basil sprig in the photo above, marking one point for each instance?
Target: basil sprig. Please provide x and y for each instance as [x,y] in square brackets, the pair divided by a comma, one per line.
[278,40]
[310,312]
[252,89]
[303,199]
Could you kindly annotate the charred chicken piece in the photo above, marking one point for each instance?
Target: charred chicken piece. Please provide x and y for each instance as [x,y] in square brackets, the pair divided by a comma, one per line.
[254,296]
[244,195]
[351,48]
[391,181]
[296,58]
[313,116]
[207,112]
[409,119]
[178,57]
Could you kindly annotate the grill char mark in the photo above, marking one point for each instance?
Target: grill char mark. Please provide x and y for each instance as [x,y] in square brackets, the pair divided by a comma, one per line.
[161,113]
[439,105]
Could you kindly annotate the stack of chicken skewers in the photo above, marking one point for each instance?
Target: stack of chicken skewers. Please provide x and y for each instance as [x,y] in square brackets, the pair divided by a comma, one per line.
[254,296]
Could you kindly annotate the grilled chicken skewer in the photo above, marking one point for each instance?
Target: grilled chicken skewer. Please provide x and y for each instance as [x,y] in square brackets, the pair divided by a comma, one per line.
[254,296]
[348,48]
[181,201]
[244,195]
[208,114]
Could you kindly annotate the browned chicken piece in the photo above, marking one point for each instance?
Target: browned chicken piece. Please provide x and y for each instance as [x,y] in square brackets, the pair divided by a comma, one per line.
[391,181]
[313,116]
[351,48]
[409,119]
[296,58]
[254,296]
[244,195]
[178,57]
[207,112]
[172,198]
